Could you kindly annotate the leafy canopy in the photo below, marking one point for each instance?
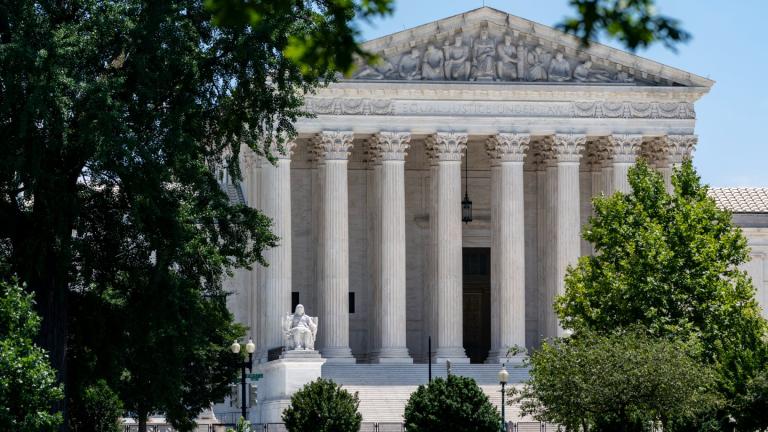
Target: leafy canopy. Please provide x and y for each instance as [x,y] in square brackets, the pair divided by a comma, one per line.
[27,381]
[323,406]
[634,23]
[453,404]
[669,263]
[620,381]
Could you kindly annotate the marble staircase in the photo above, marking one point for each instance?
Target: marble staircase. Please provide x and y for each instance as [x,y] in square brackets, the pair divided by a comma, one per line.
[384,389]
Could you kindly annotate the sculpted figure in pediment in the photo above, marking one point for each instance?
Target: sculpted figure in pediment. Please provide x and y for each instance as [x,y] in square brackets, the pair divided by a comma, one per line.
[522,55]
[537,60]
[508,61]
[559,68]
[483,56]
[457,63]
[410,64]
[382,69]
[585,73]
[432,67]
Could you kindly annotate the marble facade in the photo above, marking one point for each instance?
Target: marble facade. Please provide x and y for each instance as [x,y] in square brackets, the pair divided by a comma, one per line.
[367,198]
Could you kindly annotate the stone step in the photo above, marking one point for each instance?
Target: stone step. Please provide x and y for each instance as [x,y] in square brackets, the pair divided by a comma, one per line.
[415,374]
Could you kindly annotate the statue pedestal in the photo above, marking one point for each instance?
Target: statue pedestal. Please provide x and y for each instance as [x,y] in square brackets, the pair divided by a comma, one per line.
[282,378]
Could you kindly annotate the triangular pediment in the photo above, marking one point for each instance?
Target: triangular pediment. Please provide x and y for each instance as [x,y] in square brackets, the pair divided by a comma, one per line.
[487,44]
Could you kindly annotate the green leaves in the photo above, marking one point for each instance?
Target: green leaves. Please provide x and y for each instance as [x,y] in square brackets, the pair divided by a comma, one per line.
[27,382]
[620,381]
[669,264]
[634,23]
[325,36]
[452,404]
[323,406]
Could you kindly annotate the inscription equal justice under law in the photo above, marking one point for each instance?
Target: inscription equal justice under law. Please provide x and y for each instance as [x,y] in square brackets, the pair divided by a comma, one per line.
[481,58]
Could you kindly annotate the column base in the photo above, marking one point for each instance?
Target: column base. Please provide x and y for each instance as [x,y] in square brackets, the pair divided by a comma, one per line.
[338,355]
[452,354]
[391,355]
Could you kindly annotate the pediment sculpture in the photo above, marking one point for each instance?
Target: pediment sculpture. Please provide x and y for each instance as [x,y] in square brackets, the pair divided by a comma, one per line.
[486,57]
[300,330]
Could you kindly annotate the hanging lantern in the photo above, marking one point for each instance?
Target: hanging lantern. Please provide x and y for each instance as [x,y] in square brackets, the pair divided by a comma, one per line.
[466,204]
[466,209]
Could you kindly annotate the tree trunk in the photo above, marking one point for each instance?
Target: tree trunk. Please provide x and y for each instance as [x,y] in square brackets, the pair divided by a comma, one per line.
[142,417]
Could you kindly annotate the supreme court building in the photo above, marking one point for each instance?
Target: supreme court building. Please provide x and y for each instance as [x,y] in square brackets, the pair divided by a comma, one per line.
[368,203]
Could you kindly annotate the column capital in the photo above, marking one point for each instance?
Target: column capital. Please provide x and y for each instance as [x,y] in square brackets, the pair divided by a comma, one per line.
[680,147]
[334,145]
[391,146]
[624,147]
[508,147]
[282,151]
[566,147]
[447,146]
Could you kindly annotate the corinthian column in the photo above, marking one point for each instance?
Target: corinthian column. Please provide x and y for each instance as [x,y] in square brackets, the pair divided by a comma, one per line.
[391,148]
[678,148]
[448,148]
[507,152]
[275,202]
[623,149]
[565,222]
[333,148]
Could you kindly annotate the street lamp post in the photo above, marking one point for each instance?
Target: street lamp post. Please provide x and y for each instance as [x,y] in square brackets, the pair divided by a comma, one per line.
[503,377]
[249,348]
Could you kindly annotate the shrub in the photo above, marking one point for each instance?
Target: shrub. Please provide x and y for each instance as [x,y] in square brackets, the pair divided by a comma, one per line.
[97,410]
[323,406]
[453,404]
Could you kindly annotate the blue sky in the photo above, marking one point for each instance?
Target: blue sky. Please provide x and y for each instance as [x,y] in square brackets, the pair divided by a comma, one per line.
[728,46]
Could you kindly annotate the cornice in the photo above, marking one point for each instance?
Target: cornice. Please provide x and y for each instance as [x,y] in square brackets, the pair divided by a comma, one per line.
[489,91]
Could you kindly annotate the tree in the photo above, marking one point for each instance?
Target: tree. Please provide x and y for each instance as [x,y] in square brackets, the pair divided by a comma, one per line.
[98,409]
[323,406]
[453,404]
[669,263]
[27,381]
[618,382]
[634,23]
[116,117]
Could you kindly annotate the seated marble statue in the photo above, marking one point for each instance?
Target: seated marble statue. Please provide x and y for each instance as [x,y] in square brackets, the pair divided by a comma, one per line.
[410,65]
[537,59]
[559,69]
[585,73]
[300,330]
[457,63]
[483,57]
[507,64]
[432,65]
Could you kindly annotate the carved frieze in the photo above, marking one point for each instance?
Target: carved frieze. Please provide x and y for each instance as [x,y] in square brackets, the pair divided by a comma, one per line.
[365,106]
[491,54]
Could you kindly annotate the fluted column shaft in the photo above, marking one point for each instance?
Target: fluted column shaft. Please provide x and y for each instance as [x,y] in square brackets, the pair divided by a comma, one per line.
[565,217]
[392,148]
[334,297]
[275,202]
[449,148]
[508,244]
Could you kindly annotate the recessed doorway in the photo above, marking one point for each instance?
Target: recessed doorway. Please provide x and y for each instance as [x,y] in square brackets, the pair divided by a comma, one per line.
[477,303]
